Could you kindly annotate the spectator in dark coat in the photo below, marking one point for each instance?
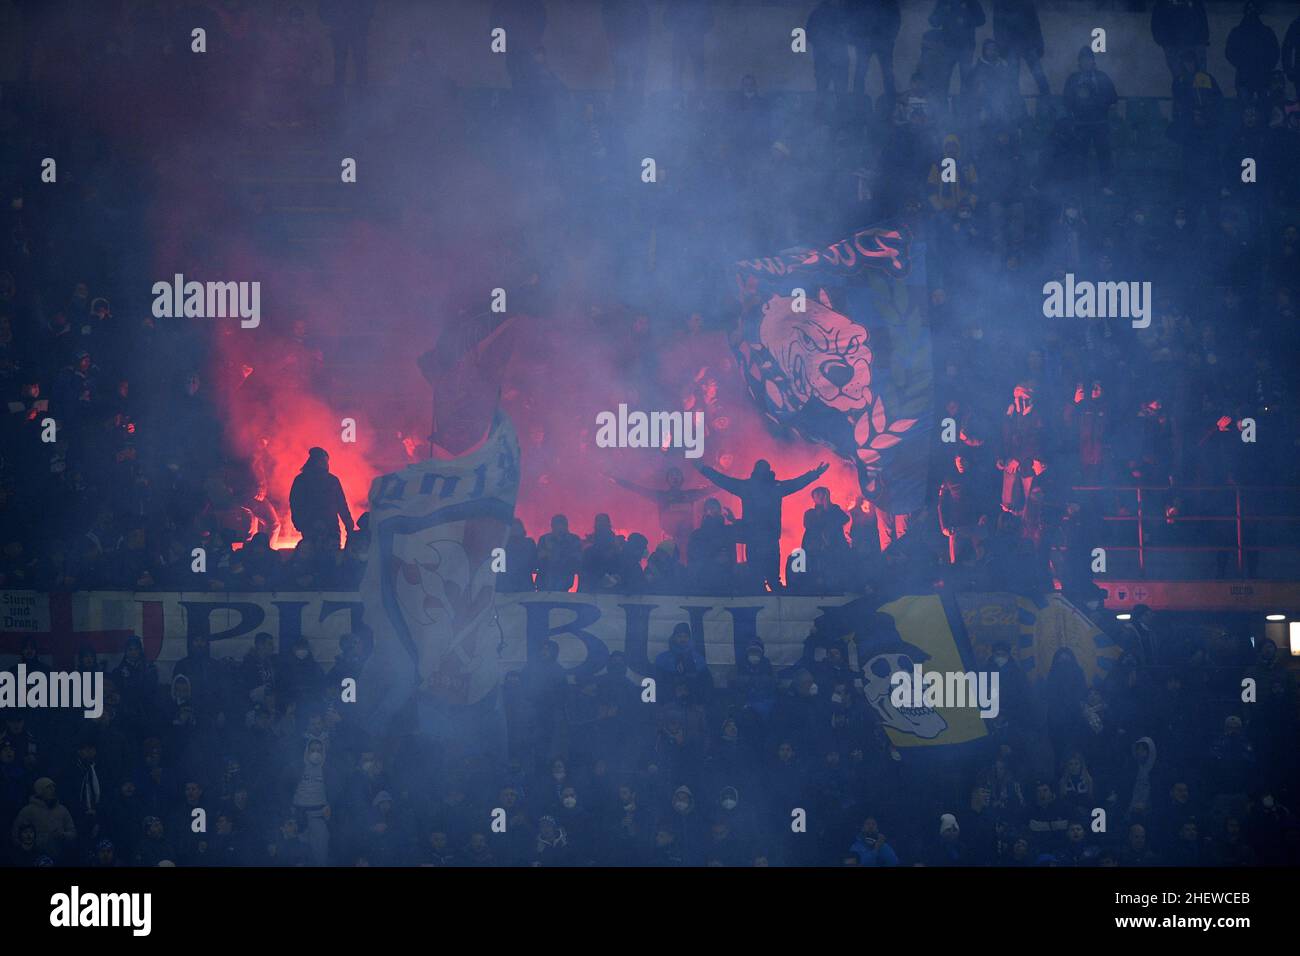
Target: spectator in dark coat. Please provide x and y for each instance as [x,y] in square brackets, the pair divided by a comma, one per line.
[559,555]
[1020,38]
[682,662]
[521,559]
[872,27]
[1022,442]
[1179,25]
[761,494]
[348,22]
[298,676]
[1089,95]
[627,28]
[953,23]
[1253,51]
[828,43]
[1291,54]
[317,502]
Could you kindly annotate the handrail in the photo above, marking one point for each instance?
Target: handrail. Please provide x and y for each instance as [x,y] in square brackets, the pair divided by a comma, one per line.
[1237,517]
[1292,488]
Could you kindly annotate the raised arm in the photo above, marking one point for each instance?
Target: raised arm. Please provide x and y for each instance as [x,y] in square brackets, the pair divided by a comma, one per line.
[791,485]
[633,486]
[733,485]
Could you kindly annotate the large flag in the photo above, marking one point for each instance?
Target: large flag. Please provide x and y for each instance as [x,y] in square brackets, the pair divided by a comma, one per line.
[956,633]
[886,639]
[429,591]
[835,344]
[1039,632]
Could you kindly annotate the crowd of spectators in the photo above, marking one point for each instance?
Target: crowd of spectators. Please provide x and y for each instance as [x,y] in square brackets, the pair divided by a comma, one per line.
[1046,185]
[140,474]
[711,773]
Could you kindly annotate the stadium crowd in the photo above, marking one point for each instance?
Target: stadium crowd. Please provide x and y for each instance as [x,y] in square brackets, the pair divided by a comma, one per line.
[139,476]
[711,774]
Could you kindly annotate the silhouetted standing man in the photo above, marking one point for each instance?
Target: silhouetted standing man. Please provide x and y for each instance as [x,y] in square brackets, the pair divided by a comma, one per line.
[317,502]
[348,22]
[953,24]
[873,27]
[1178,26]
[1020,37]
[761,495]
[828,39]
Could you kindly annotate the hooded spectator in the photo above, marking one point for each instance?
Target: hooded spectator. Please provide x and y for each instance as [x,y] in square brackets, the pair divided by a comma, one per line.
[55,831]
[317,502]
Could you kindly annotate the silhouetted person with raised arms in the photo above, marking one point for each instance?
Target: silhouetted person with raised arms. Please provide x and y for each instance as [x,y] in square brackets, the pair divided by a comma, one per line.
[761,495]
[676,504]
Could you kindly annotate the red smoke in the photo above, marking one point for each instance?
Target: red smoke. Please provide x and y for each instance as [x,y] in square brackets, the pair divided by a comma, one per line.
[373,297]
[565,370]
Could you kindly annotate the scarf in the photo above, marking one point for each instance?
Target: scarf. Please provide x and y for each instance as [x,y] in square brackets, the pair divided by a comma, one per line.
[89,796]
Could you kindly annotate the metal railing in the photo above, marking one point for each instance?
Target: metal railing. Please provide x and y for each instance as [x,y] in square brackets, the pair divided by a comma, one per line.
[1239,517]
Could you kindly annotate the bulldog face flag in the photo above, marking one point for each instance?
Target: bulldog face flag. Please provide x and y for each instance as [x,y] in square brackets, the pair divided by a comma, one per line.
[835,345]
[429,590]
